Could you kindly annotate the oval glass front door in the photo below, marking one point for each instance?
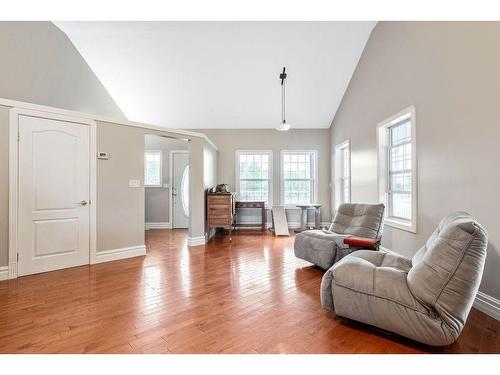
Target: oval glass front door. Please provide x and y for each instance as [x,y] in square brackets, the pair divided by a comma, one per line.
[185,190]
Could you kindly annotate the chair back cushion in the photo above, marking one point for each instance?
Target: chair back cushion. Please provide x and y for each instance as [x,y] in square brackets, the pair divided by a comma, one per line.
[362,220]
[447,271]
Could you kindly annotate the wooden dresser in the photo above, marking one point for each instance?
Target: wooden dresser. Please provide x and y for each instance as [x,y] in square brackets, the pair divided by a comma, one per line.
[221,209]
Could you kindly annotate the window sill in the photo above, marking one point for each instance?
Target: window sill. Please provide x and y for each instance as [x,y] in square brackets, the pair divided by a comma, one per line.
[401,224]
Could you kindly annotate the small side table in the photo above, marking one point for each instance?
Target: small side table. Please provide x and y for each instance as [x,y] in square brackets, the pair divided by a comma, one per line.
[317,216]
[303,218]
[256,204]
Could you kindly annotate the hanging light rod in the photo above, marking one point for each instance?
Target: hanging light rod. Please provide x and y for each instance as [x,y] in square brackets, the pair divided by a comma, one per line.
[284,126]
[283,76]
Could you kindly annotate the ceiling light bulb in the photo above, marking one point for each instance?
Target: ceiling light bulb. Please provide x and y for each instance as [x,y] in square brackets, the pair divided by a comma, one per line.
[283,127]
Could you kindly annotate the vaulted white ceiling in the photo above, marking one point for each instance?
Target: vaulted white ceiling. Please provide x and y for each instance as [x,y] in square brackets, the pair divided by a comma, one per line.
[222,74]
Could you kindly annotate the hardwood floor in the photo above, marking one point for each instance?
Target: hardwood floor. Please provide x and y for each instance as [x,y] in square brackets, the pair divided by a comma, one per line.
[249,296]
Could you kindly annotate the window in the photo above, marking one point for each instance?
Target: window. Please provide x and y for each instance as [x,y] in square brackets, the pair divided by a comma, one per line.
[342,173]
[397,169]
[298,177]
[152,168]
[254,176]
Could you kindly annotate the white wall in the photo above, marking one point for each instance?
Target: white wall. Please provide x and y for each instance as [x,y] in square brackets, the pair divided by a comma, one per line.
[450,72]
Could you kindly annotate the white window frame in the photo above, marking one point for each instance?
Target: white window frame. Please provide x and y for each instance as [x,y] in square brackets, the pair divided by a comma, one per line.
[161,167]
[383,168]
[339,172]
[269,153]
[314,177]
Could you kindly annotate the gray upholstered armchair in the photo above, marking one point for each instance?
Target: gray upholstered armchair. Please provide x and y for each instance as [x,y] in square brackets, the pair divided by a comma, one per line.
[426,298]
[324,248]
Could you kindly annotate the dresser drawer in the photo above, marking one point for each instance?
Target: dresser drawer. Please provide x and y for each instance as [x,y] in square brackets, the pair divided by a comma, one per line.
[219,222]
[224,199]
[219,215]
[220,210]
[218,207]
[224,212]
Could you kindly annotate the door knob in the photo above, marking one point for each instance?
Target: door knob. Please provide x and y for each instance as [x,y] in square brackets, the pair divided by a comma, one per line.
[83,203]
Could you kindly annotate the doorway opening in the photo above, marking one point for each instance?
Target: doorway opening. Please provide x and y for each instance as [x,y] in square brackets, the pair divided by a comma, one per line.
[166,182]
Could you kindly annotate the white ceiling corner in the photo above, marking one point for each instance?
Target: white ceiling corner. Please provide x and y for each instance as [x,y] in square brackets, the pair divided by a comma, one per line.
[222,74]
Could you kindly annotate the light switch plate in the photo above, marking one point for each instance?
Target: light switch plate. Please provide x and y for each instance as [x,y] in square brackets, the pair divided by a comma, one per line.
[134,183]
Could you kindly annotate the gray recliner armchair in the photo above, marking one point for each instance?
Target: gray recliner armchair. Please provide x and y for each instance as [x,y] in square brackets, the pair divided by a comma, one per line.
[322,247]
[426,298]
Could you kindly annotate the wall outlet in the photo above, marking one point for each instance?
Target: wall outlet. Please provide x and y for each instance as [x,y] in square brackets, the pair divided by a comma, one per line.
[134,183]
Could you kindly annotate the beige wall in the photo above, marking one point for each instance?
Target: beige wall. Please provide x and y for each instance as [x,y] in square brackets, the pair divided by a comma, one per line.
[4,185]
[230,140]
[450,72]
[158,199]
[40,65]
[120,208]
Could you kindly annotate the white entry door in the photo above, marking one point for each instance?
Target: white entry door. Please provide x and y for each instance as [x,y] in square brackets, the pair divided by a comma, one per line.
[54,195]
[180,189]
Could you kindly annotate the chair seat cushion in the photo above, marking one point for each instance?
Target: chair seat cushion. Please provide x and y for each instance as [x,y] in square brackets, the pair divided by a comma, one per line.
[371,273]
[318,247]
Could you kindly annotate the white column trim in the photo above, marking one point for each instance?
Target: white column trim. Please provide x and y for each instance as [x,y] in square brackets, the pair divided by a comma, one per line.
[196,241]
[4,273]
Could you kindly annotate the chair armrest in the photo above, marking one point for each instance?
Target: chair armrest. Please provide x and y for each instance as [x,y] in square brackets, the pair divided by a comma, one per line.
[367,243]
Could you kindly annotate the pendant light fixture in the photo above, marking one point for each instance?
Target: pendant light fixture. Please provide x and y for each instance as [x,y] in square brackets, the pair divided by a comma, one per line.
[284,126]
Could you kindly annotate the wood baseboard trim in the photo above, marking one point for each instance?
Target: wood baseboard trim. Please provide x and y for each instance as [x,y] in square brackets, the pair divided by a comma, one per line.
[122,253]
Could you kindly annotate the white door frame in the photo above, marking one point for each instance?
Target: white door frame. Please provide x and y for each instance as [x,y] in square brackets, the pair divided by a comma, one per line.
[14,114]
[171,179]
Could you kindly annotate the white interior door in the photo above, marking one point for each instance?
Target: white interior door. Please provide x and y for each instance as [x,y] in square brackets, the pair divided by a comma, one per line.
[54,191]
[180,189]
